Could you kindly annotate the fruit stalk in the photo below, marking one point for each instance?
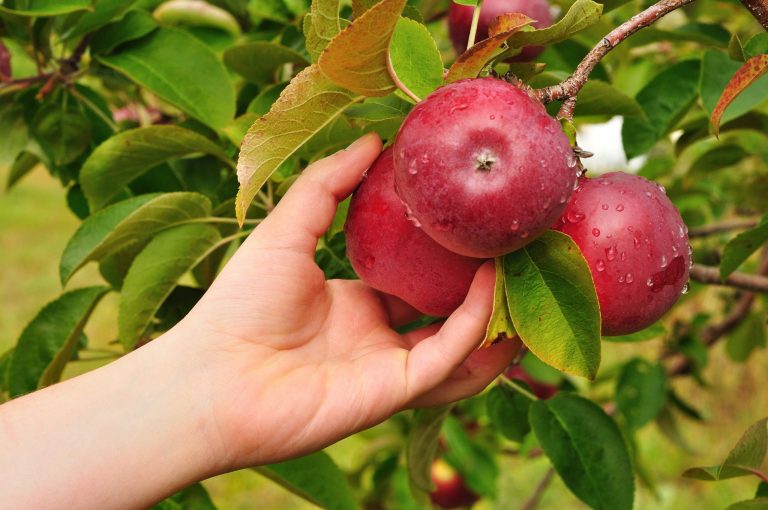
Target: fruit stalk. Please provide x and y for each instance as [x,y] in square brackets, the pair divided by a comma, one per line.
[473,27]
[572,85]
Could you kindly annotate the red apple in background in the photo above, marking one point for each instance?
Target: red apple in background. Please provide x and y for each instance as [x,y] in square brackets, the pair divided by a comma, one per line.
[450,490]
[460,21]
[540,389]
[482,168]
[636,245]
[392,255]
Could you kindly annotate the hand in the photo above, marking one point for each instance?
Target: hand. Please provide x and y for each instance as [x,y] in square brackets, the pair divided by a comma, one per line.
[294,362]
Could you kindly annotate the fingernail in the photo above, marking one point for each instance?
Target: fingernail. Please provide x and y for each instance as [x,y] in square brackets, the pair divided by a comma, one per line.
[361,141]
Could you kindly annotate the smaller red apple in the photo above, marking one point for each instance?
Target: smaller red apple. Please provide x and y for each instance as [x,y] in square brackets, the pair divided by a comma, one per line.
[542,390]
[450,490]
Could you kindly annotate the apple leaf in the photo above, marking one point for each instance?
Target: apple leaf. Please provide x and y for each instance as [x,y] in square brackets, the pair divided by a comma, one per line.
[586,449]
[471,62]
[641,391]
[745,458]
[24,163]
[508,411]
[102,12]
[717,70]
[748,336]
[129,223]
[500,327]
[357,57]
[751,504]
[316,478]
[134,25]
[306,106]
[156,271]
[738,249]
[553,303]
[653,331]
[321,24]
[747,74]
[421,444]
[198,14]
[258,61]
[129,154]
[49,340]
[414,59]
[48,7]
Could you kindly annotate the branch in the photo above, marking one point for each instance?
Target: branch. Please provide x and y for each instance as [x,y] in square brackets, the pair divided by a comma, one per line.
[535,498]
[711,275]
[759,9]
[571,86]
[725,226]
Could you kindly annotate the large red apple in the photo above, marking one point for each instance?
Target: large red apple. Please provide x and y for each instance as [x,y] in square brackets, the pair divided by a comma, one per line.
[636,245]
[482,167]
[450,490]
[391,254]
[460,21]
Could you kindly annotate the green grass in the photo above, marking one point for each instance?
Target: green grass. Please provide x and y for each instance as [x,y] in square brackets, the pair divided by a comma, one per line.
[36,225]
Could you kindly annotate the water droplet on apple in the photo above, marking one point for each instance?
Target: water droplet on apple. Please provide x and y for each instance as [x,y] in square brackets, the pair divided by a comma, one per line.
[492,117]
[623,256]
[685,289]
[458,107]
[649,282]
[662,188]
[648,194]
[575,216]
[610,253]
[680,231]
[620,207]
[596,232]
[600,265]
[562,198]
[412,168]
[515,226]
[524,234]
[663,261]
[621,279]
[604,207]
[629,278]
[425,158]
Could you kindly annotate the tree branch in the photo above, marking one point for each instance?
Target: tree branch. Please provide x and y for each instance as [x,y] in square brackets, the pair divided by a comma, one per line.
[725,226]
[535,498]
[571,86]
[759,9]
[711,275]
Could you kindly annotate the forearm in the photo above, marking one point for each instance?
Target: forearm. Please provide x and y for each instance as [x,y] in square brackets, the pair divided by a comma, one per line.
[123,436]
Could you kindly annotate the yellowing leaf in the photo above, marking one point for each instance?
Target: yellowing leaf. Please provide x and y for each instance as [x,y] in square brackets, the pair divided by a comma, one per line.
[321,25]
[309,103]
[752,69]
[357,57]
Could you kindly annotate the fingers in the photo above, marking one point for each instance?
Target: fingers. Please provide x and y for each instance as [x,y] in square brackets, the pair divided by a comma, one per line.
[399,312]
[434,359]
[307,210]
[480,369]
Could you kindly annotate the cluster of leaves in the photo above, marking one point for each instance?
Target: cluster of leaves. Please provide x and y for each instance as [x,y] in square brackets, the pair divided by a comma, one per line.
[169,123]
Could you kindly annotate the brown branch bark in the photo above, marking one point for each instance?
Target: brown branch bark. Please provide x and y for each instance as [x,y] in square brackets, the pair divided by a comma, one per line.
[711,275]
[535,498]
[759,9]
[725,226]
[571,86]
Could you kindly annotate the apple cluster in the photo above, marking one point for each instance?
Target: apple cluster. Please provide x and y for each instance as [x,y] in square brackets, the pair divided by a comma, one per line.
[479,169]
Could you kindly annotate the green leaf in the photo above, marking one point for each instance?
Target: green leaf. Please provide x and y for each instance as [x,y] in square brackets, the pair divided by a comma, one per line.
[587,450]
[508,411]
[48,7]
[62,130]
[476,464]
[553,304]
[421,444]
[653,331]
[600,98]
[738,249]
[129,223]
[197,14]
[752,504]
[134,25]
[748,336]
[717,69]
[745,458]
[180,69]
[103,11]
[762,490]
[14,129]
[757,45]
[194,497]
[321,25]
[414,58]
[641,391]
[500,326]
[665,100]
[156,271]
[47,343]
[25,163]
[127,155]
[315,478]
[259,61]
[377,109]
[306,106]
[357,57]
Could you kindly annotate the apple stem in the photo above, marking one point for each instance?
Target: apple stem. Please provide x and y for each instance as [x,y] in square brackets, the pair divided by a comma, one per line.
[473,27]
[518,388]
[570,87]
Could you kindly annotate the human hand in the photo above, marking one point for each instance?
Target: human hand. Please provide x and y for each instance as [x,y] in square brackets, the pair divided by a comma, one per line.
[292,362]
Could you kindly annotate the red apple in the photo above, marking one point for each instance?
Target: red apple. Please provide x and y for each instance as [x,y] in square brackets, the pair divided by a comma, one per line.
[460,21]
[482,167]
[391,254]
[636,245]
[450,490]
[540,389]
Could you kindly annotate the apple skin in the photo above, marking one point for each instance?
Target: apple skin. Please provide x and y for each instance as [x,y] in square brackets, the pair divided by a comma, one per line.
[450,490]
[391,254]
[476,209]
[542,390]
[460,21]
[636,245]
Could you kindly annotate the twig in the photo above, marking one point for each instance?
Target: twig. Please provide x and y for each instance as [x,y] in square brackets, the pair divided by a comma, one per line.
[535,498]
[473,26]
[725,226]
[711,275]
[571,86]
[759,9]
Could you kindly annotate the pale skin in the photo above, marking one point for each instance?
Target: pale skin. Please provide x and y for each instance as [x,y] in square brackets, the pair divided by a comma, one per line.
[274,362]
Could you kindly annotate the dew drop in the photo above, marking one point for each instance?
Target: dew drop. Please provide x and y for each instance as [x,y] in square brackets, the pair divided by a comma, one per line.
[369,261]
[600,265]
[604,207]
[458,107]
[648,194]
[574,216]
[649,282]
[603,182]
[629,278]
[610,253]
[674,250]
[685,288]
[663,261]
[425,158]
[492,117]
[596,232]
[515,225]
[662,188]
[623,256]
[524,234]
[637,242]
[621,279]
[412,168]
[620,207]
[680,231]
[562,198]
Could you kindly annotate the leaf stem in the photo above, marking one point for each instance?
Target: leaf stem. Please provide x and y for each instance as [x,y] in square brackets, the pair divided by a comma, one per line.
[475,22]
[535,498]
[218,219]
[518,388]
[95,109]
